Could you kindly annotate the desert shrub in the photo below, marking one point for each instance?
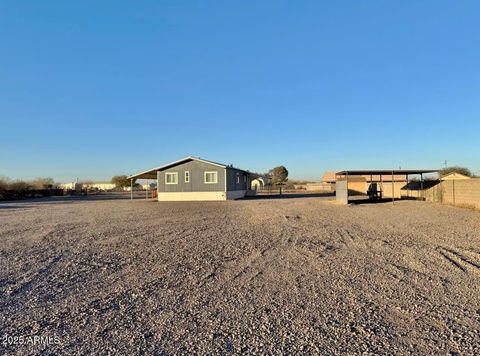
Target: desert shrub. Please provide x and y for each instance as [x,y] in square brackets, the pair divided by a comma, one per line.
[289,186]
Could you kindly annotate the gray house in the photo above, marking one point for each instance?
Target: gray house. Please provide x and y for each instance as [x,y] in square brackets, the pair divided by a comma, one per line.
[193,178]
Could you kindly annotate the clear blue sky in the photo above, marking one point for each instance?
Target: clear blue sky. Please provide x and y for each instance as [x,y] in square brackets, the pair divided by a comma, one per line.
[90,89]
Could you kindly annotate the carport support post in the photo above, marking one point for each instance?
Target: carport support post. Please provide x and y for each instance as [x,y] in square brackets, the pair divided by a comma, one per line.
[408,192]
[381,187]
[421,186]
[346,178]
[393,188]
[131,189]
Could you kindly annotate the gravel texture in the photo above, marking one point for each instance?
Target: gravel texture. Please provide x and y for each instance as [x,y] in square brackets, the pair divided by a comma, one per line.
[298,275]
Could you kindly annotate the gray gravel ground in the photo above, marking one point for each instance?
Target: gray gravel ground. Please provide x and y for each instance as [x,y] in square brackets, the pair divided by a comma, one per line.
[296,275]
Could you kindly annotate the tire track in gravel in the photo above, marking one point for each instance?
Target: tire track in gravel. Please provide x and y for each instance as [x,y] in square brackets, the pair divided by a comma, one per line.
[458,260]
[407,228]
[27,281]
[283,232]
[254,264]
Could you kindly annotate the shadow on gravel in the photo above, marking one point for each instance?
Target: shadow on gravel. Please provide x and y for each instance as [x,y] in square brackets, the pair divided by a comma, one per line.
[11,206]
[362,201]
[72,199]
[291,196]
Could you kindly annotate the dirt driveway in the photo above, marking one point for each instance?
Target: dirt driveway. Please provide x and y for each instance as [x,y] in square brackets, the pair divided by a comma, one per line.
[282,275]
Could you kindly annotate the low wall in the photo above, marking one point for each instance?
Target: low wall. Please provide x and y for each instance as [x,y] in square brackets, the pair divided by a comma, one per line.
[456,192]
[320,187]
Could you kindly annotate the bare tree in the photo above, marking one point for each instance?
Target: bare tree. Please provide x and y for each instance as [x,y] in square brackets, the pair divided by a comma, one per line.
[122,181]
[43,183]
[4,183]
[18,185]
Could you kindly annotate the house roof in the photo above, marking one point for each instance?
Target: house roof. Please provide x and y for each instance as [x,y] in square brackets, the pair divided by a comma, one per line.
[454,175]
[329,177]
[152,173]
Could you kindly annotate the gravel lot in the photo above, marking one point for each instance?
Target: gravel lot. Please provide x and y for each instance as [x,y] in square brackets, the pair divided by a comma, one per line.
[266,275]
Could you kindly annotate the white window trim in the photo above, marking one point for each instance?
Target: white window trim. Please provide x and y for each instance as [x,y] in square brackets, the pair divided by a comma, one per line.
[187,176]
[238,178]
[175,174]
[210,172]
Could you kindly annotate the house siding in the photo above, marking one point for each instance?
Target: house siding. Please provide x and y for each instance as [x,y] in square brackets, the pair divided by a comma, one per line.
[232,180]
[196,183]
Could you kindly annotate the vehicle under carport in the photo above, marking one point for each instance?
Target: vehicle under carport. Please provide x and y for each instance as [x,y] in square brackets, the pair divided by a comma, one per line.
[377,185]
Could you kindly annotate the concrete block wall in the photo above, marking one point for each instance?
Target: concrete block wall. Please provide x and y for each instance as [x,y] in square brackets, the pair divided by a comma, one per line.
[456,192]
[341,192]
[320,187]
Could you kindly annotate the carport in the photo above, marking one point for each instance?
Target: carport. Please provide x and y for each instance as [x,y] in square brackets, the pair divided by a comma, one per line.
[146,175]
[377,184]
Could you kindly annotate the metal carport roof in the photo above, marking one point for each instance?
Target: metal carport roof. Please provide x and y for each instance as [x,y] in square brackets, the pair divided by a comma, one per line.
[362,172]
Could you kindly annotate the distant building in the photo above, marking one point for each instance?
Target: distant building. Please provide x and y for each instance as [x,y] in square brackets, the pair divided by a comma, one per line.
[258,183]
[327,184]
[329,177]
[149,186]
[455,176]
[69,186]
[102,186]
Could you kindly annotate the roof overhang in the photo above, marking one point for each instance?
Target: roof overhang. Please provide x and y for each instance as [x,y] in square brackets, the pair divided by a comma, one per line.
[361,172]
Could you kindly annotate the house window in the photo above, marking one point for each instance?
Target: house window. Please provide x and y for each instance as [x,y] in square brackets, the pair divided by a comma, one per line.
[211,177]
[238,178]
[187,177]
[171,178]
